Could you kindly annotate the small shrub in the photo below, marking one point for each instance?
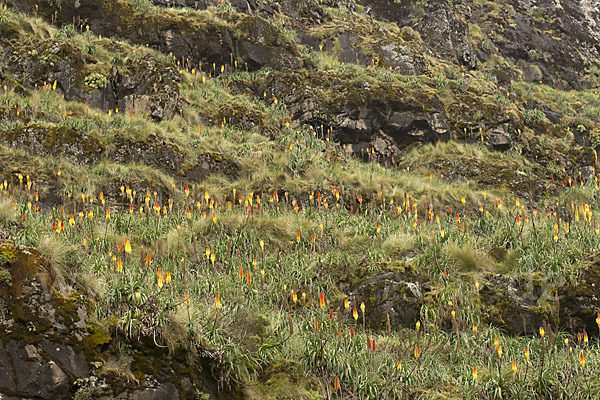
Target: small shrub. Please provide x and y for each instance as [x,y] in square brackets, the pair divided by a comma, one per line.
[95,81]
[5,276]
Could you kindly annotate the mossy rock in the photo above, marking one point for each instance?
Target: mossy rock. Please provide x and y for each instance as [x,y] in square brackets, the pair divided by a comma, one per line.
[526,181]
[284,380]
[515,304]
[211,163]
[153,151]
[76,147]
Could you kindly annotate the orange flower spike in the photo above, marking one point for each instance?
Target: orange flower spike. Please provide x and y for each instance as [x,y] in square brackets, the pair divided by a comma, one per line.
[187,300]
[148,259]
[119,265]
[582,360]
[527,354]
[346,304]
[127,246]
[298,236]
[217,301]
[322,300]
[294,297]
[399,366]
[336,384]
[417,352]
[248,276]
[207,253]
[108,213]
[499,350]
[241,273]
[188,213]
[499,205]
[514,367]
[585,337]
[316,324]
[355,314]
[474,373]
[168,276]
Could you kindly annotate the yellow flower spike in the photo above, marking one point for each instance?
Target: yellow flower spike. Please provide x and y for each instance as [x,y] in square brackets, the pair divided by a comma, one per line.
[474,373]
[582,360]
[418,325]
[399,366]
[294,297]
[499,349]
[442,234]
[514,367]
[542,332]
[207,253]
[362,307]
[322,300]
[138,296]
[496,341]
[354,312]
[527,354]
[346,304]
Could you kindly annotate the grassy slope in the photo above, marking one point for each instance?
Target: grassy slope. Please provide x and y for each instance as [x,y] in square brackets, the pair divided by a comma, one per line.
[346,244]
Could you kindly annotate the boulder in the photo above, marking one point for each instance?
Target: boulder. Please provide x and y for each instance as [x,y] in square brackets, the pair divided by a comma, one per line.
[398,293]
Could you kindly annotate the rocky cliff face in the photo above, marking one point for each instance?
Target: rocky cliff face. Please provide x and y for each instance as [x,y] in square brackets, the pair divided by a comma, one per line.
[52,348]
[487,46]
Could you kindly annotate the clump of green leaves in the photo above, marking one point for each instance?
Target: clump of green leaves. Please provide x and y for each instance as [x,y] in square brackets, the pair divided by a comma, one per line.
[95,81]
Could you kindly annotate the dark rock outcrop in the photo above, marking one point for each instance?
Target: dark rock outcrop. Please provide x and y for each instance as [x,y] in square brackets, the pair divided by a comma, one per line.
[398,293]
[51,348]
[514,303]
[194,41]
[444,28]
[361,114]
[76,147]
